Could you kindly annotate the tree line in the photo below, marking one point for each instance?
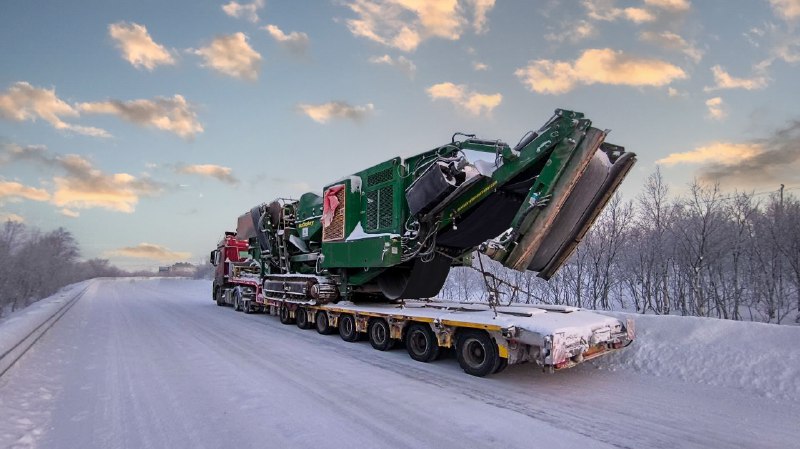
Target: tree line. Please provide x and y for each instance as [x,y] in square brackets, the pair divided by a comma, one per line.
[703,253]
[35,264]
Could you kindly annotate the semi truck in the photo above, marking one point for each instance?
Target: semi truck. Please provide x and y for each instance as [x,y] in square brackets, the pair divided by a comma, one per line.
[237,277]
[368,256]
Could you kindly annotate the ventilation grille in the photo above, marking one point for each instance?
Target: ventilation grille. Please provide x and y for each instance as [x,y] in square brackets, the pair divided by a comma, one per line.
[379,177]
[335,230]
[380,205]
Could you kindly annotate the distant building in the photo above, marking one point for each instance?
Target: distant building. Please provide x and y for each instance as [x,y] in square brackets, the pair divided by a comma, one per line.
[182,269]
[178,269]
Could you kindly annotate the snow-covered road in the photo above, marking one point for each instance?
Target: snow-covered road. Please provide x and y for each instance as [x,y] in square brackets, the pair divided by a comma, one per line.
[156,364]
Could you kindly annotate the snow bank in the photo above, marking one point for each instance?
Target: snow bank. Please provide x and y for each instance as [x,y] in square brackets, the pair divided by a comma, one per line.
[755,357]
[19,325]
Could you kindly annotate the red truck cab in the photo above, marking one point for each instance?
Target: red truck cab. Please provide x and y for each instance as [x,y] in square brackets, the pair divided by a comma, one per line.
[229,249]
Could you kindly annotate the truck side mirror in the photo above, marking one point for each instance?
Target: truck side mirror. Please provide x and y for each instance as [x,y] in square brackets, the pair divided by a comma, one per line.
[213,257]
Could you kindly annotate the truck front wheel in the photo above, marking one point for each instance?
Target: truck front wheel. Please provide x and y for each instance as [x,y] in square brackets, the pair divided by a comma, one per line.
[421,343]
[477,352]
[218,296]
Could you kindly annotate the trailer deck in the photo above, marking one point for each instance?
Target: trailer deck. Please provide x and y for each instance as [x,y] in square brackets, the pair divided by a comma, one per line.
[553,337]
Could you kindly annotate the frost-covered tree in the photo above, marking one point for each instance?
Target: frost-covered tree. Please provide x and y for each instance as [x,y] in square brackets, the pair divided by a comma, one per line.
[705,253]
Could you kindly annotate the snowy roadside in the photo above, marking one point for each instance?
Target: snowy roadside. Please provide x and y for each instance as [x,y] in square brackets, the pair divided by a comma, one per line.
[29,322]
[755,357]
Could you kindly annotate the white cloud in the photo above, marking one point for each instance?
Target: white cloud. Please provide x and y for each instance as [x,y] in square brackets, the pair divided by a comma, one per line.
[724,80]
[672,92]
[479,66]
[597,66]
[69,213]
[404,24]
[782,42]
[788,50]
[480,9]
[605,10]
[786,9]
[295,42]
[323,113]
[670,5]
[151,251]
[85,187]
[79,185]
[717,152]
[218,172]
[231,55]
[638,15]
[137,47]
[672,41]
[173,114]
[401,62]
[573,32]
[15,191]
[247,11]
[25,102]
[475,103]
[715,108]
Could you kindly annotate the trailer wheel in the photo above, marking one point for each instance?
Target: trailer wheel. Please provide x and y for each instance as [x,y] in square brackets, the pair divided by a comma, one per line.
[322,324]
[347,328]
[301,317]
[421,343]
[284,316]
[378,333]
[501,366]
[477,353]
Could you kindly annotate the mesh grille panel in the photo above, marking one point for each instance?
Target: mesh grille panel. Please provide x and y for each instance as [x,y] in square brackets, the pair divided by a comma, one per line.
[379,177]
[380,206]
[335,230]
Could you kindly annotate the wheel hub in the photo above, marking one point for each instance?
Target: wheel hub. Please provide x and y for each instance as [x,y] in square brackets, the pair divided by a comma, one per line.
[378,334]
[474,352]
[418,342]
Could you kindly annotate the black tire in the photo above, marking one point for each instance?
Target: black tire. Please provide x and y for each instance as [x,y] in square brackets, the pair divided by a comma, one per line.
[301,318]
[501,366]
[379,334]
[477,352]
[322,324]
[284,316]
[247,305]
[347,328]
[218,297]
[237,300]
[421,343]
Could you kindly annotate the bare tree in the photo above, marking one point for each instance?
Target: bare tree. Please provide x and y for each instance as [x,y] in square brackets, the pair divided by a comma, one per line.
[37,264]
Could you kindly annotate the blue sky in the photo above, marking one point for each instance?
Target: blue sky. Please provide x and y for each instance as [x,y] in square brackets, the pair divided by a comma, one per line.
[147,127]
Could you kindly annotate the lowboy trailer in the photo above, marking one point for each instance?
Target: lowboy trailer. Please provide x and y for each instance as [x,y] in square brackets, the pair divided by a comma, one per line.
[485,339]
[362,257]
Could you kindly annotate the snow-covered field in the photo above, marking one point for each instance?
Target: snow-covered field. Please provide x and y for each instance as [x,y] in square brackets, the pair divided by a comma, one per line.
[155,363]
